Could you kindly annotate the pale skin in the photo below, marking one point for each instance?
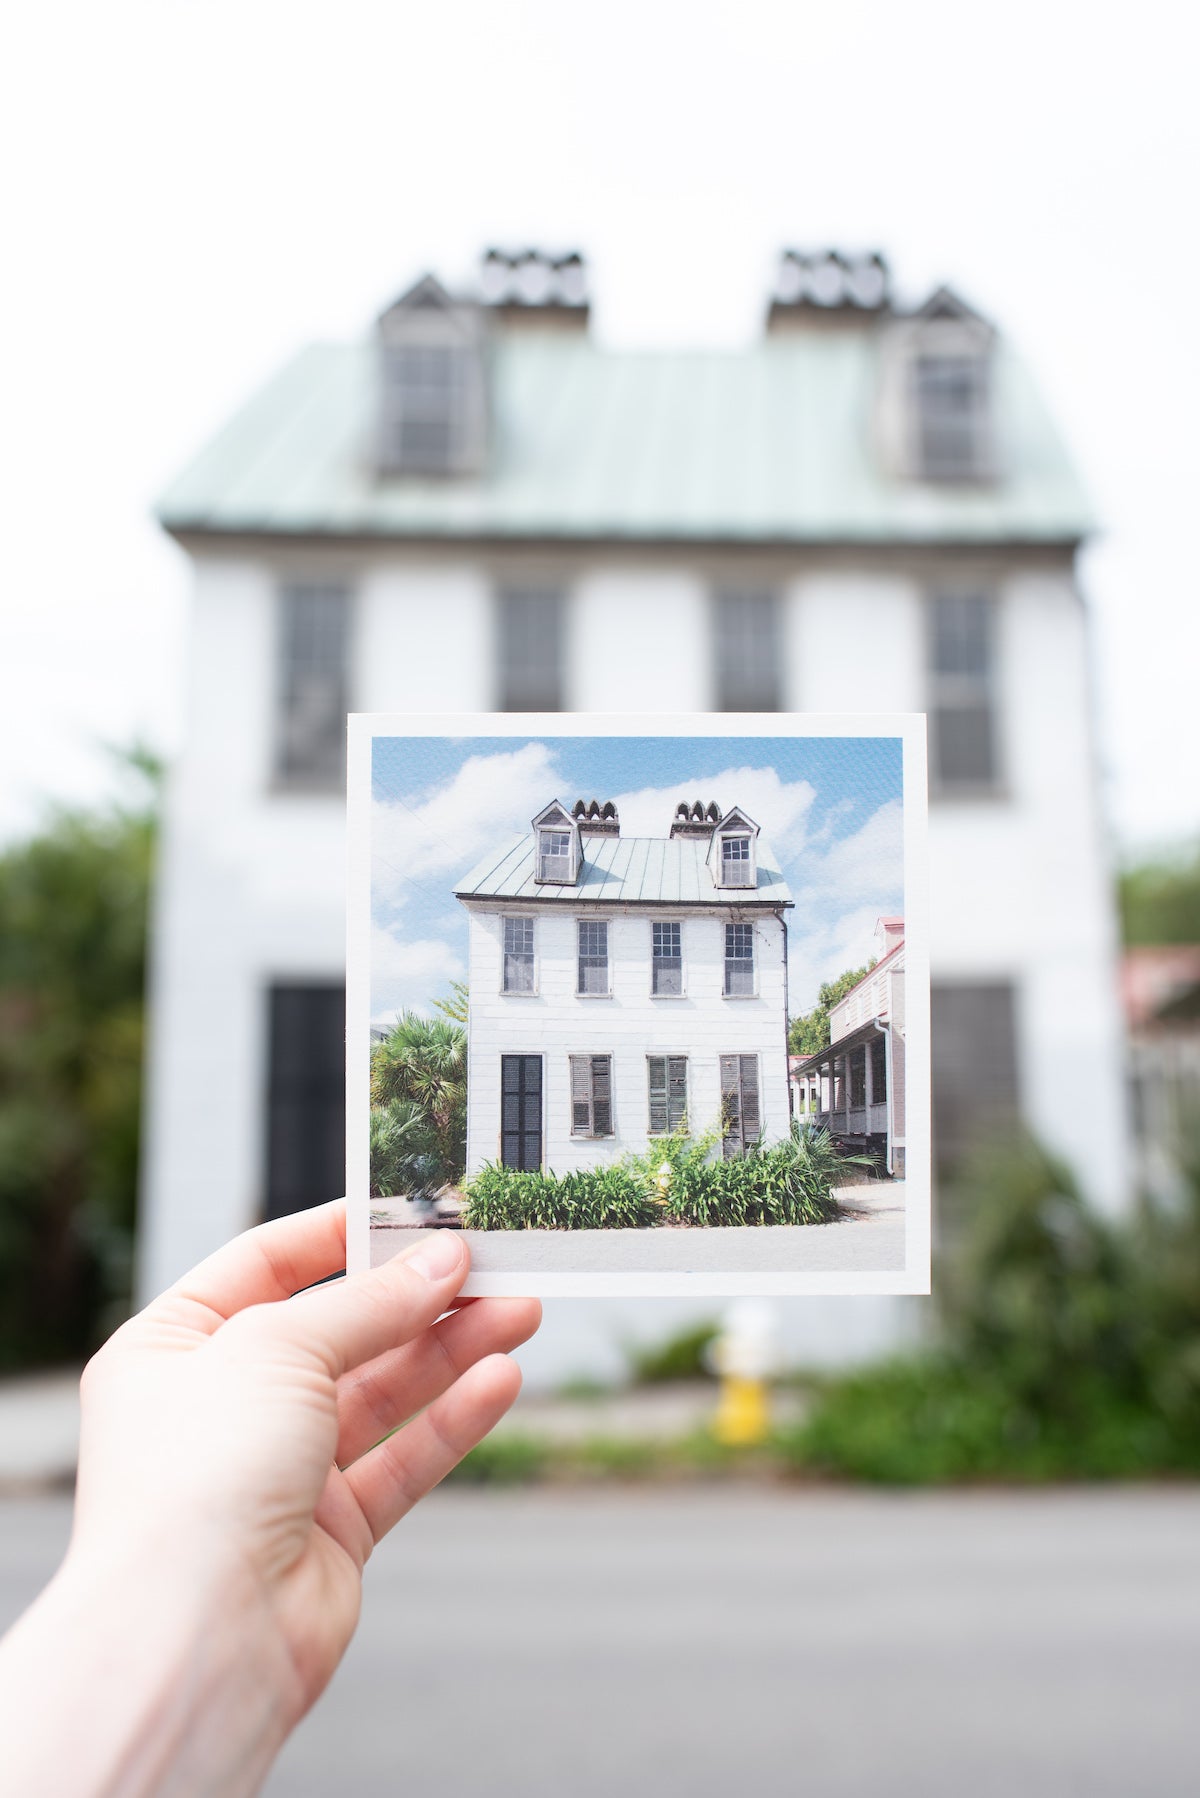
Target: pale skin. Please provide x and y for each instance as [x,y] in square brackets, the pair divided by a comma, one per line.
[240,1458]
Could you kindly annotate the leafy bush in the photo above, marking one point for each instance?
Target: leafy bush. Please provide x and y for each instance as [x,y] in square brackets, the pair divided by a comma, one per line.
[682,1356]
[405,1160]
[788,1183]
[1070,1348]
[609,1198]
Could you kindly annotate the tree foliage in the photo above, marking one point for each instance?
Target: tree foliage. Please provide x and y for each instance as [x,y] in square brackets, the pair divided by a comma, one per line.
[423,1063]
[1160,899]
[73,915]
[808,1034]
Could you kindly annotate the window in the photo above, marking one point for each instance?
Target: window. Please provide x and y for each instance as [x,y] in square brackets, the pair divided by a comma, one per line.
[748,652]
[310,745]
[666,966]
[518,955]
[593,957]
[306,1097]
[554,855]
[952,399]
[591,1095]
[974,1050]
[962,735]
[667,1076]
[739,960]
[737,863]
[740,1109]
[531,649]
[424,407]
[879,1071]
[858,1078]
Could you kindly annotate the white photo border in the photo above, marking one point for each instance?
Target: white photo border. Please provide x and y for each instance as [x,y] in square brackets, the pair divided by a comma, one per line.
[910,729]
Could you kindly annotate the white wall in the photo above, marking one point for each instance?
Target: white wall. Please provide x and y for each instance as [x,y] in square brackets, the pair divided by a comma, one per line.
[556,1022]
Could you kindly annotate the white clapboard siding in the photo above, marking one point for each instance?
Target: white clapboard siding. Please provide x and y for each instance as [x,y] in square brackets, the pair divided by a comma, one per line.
[556,1023]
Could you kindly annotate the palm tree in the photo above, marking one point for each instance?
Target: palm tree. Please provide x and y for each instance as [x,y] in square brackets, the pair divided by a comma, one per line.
[405,1162]
[424,1061]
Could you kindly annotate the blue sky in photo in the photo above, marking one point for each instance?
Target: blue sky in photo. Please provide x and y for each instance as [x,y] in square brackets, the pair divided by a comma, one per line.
[829,807]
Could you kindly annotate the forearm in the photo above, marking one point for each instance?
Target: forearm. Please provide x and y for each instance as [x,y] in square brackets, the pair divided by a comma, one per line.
[130,1680]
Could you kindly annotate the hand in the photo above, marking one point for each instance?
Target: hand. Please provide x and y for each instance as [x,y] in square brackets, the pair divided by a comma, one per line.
[241,1455]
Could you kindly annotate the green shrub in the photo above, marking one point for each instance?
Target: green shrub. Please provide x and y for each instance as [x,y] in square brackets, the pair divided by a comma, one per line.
[680,1357]
[609,1198]
[506,1459]
[788,1183]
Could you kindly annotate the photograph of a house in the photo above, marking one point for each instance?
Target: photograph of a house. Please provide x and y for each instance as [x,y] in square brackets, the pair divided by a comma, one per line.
[580,967]
[623,987]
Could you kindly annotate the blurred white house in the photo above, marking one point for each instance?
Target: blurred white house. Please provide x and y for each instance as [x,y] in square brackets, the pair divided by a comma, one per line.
[476,506]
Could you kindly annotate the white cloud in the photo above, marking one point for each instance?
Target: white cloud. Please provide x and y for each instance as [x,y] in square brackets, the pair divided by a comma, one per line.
[780,807]
[490,800]
[409,975]
[869,863]
[826,950]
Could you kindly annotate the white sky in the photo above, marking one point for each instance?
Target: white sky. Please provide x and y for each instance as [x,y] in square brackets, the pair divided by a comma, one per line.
[197,189]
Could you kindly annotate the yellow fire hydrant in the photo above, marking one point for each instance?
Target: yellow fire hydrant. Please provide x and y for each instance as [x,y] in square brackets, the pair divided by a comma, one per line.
[744,1356]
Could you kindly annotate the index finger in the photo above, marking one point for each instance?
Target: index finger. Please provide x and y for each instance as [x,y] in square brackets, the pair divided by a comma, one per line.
[270,1262]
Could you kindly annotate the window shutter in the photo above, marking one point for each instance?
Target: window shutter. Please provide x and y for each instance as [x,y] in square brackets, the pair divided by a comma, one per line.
[677,1092]
[601,1095]
[581,1095]
[657,1074]
[751,1119]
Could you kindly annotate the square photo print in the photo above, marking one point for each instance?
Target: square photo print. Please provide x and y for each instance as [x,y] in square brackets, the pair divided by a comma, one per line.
[641,1005]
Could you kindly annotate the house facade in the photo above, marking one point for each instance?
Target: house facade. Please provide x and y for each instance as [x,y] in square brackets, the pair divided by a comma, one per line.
[856,1088]
[868,508]
[625,987]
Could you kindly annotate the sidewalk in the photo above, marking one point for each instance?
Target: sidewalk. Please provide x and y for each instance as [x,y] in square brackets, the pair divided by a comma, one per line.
[39,1431]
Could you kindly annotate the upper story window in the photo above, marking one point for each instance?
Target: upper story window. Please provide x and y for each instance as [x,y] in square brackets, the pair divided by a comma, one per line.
[531,641]
[953,422]
[666,964]
[739,961]
[748,651]
[593,956]
[518,955]
[432,399]
[733,856]
[961,688]
[554,855]
[737,865]
[425,416]
[312,685]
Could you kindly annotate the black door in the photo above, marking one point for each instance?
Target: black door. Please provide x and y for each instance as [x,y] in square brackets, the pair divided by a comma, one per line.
[306,1097]
[521,1111]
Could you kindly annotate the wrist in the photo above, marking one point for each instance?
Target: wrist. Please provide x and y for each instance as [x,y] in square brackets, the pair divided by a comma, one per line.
[170,1679]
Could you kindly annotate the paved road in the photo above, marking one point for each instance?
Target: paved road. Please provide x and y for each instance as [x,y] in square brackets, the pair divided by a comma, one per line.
[707,1642]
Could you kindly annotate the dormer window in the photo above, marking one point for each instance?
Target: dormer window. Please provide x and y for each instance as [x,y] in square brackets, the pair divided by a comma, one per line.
[952,400]
[432,402]
[733,857]
[737,865]
[554,855]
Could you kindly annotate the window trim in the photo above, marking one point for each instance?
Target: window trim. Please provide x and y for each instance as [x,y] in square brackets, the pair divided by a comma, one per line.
[580,993]
[591,1057]
[339,592]
[740,924]
[655,960]
[947,690]
[518,992]
[667,1058]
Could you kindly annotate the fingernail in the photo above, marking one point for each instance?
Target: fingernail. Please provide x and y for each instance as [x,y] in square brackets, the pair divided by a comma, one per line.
[436,1255]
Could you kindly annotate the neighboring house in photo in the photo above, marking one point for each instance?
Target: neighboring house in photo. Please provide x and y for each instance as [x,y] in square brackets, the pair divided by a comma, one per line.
[625,987]
[855,1089]
[477,506]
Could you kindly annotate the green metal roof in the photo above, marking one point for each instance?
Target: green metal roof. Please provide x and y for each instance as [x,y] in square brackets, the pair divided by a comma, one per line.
[770,444]
[624,871]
